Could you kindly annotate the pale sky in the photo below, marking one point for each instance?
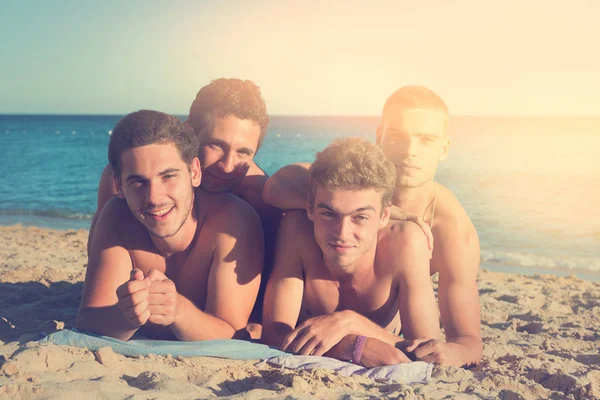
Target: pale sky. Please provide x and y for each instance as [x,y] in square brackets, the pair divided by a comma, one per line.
[309,57]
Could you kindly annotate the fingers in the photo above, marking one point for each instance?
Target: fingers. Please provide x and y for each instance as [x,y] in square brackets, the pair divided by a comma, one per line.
[136,275]
[427,231]
[156,275]
[306,343]
[426,348]
[414,344]
[136,313]
[294,341]
[130,287]
[166,286]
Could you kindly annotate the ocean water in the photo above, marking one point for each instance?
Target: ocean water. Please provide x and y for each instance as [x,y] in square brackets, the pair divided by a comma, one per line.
[531,185]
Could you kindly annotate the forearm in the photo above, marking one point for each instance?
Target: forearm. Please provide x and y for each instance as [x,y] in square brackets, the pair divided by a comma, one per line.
[374,352]
[287,188]
[106,321]
[470,349]
[192,324]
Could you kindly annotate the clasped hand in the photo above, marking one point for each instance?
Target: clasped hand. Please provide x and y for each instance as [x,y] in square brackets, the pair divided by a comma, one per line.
[151,298]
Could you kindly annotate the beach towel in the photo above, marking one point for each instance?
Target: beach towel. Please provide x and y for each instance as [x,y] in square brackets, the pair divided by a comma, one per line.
[224,348]
[416,372]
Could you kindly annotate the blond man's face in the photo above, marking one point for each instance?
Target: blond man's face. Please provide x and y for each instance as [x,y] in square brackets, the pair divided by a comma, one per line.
[415,141]
[346,223]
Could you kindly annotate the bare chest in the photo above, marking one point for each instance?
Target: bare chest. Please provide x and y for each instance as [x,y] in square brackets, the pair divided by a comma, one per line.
[376,299]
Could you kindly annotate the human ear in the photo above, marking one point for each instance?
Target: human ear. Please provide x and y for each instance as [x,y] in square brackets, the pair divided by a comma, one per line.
[385,217]
[196,172]
[445,148]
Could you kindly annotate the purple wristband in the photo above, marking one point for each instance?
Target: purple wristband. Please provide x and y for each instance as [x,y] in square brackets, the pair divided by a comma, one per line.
[359,343]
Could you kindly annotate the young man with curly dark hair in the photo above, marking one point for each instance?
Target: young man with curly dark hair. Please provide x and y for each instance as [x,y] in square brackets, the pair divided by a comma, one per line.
[166,257]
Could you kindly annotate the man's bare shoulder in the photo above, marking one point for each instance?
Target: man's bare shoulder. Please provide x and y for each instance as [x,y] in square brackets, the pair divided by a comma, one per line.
[449,210]
[295,224]
[298,220]
[401,233]
[117,227]
[399,240]
[455,235]
[117,217]
[226,209]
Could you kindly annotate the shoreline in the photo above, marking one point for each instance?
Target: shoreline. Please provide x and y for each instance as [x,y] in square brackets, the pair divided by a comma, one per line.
[63,224]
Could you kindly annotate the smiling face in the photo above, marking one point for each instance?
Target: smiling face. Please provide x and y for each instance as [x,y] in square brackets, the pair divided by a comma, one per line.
[158,187]
[415,140]
[346,224]
[226,152]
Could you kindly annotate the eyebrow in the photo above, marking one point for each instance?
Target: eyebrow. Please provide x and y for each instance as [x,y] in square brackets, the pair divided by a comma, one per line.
[222,142]
[361,209]
[140,177]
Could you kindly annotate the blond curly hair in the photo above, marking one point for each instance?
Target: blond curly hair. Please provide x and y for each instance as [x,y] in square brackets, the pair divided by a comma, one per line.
[352,163]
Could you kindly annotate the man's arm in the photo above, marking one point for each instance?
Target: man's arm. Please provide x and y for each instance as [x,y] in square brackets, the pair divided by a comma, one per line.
[106,190]
[288,187]
[283,297]
[407,252]
[457,258]
[233,280]
[109,267]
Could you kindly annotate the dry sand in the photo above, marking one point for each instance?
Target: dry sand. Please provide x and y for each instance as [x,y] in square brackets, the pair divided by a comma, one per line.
[541,339]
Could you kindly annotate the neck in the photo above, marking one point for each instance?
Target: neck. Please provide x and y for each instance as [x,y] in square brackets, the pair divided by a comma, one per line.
[182,240]
[415,199]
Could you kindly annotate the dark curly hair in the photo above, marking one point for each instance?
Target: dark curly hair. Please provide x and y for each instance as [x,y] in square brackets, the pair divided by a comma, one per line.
[223,97]
[145,127]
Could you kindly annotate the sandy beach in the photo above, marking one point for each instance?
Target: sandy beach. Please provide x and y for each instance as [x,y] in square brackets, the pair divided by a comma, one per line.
[541,338]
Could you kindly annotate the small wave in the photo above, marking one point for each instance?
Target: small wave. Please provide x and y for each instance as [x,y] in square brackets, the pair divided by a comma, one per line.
[64,214]
[534,260]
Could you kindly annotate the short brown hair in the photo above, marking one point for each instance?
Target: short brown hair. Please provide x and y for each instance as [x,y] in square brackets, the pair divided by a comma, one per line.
[355,164]
[145,127]
[223,97]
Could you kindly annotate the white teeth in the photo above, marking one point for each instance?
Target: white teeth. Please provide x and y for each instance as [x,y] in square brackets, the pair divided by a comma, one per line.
[159,213]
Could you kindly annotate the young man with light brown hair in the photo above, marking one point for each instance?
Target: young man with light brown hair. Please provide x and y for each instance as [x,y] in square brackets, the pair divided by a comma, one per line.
[413,136]
[346,280]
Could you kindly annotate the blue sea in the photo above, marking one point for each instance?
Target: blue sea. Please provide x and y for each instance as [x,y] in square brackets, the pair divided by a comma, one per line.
[530,184]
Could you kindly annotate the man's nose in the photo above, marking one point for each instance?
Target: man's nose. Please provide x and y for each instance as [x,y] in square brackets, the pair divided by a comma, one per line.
[227,163]
[154,193]
[343,228]
[413,146]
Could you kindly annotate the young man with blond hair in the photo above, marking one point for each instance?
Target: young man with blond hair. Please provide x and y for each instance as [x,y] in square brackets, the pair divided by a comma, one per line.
[413,136]
[346,280]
